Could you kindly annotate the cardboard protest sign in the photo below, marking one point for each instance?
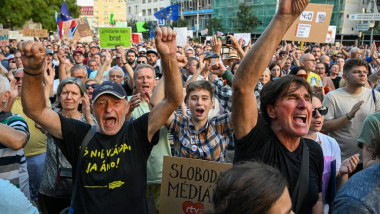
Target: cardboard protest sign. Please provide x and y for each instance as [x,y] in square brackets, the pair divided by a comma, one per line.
[311,25]
[110,37]
[4,37]
[188,185]
[83,30]
[245,36]
[35,32]
[181,35]
[330,37]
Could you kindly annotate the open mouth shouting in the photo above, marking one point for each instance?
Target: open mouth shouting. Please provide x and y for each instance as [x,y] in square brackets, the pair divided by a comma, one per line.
[145,89]
[199,111]
[109,122]
[300,119]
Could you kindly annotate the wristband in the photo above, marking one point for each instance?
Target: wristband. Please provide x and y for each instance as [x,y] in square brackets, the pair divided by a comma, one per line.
[348,118]
[30,74]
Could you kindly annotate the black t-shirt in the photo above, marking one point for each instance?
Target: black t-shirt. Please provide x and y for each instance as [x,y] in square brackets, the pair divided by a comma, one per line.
[113,170]
[261,144]
[336,82]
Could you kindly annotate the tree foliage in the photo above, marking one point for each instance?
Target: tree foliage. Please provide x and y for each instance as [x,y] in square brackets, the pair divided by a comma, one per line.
[246,20]
[15,13]
[181,22]
[214,24]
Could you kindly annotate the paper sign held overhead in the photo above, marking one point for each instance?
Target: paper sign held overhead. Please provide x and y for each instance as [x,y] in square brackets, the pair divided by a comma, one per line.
[245,36]
[181,35]
[188,185]
[330,37]
[312,25]
[35,32]
[111,37]
[4,37]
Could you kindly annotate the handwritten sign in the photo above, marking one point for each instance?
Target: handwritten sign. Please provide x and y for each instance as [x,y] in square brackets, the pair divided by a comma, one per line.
[35,32]
[245,36]
[311,25]
[188,185]
[307,16]
[111,37]
[330,37]
[4,37]
[137,37]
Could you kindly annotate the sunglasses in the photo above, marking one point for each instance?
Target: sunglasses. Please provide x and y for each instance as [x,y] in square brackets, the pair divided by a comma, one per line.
[92,86]
[302,76]
[322,111]
[17,78]
[141,62]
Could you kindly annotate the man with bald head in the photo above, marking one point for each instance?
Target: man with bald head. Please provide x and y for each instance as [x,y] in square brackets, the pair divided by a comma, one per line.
[308,62]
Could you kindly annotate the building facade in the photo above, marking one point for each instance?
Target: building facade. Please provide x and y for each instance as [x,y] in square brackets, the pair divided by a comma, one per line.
[144,10]
[103,10]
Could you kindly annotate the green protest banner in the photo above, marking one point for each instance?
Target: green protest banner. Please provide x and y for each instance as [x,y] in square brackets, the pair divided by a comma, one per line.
[110,37]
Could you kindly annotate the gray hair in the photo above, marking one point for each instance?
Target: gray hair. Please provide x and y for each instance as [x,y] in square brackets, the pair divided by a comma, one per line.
[78,67]
[116,68]
[4,84]
[141,66]
[69,80]
[354,49]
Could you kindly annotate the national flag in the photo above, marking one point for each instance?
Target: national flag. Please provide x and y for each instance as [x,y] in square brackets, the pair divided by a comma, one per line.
[65,15]
[140,27]
[151,30]
[168,13]
[59,24]
[111,19]
[72,29]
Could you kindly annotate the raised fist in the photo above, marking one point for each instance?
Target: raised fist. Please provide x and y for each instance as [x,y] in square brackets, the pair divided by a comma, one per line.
[32,56]
[166,41]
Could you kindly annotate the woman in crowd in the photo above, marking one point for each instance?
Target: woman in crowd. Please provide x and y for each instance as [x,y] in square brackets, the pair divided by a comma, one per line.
[331,152]
[275,69]
[334,71]
[251,188]
[322,70]
[72,102]
[299,72]
[266,77]
[91,84]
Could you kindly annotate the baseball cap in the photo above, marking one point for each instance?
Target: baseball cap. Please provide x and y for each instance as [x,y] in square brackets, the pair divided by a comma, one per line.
[142,50]
[152,51]
[77,51]
[95,46]
[48,51]
[108,87]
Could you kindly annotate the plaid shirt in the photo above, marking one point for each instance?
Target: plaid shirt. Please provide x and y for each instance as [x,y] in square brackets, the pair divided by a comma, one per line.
[224,93]
[209,143]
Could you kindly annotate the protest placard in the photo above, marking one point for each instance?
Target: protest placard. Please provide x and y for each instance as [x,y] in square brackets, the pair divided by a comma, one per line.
[312,25]
[181,35]
[136,37]
[245,36]
[4,37]
[330,37]
[83,30]
[188,185]
[35,32]
[111,37]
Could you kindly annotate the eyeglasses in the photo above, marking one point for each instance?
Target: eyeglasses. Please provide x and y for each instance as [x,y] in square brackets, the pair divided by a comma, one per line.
[92,86]
[79,46]
[311,60]
[141,62]
[302,76]
[115,76]
[322,111]
[80,77]
[18,78]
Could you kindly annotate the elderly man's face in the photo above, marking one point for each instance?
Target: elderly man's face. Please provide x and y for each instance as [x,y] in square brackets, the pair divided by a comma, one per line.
[81,74]
[356,55]
[110,113]
[116,75]
[309,63]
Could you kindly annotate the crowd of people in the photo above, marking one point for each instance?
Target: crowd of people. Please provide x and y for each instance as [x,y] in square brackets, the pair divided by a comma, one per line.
[300,124]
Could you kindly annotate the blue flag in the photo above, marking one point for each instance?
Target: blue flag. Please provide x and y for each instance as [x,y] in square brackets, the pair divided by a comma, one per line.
[151,30]
[168,13]
[65,15]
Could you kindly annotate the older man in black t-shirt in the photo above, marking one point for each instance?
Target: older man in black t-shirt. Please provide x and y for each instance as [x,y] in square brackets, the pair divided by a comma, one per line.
[112,177]
[275,136]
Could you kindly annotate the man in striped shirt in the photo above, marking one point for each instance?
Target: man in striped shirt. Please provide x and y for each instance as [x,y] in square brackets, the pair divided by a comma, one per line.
[14,134]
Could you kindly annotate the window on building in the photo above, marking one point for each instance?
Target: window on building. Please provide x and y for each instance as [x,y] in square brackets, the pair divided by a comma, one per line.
[154,0]
[105,6]
[149,12]
[144,12]
[161,8]
[143,1]
[105,12]
[155,10]
[149,1]
[129,9]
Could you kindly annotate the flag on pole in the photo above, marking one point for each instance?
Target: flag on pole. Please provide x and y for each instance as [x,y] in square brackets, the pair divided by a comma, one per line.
[65,15]
[168,13]
[72,29]
[59,25]
[151,30]
[140,27]
[111,19]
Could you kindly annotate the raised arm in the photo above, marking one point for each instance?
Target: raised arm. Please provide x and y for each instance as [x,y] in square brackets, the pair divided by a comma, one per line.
[167,47]
[245,113]
[32,94]
[103,67]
